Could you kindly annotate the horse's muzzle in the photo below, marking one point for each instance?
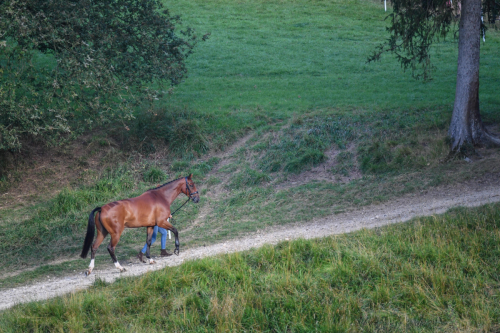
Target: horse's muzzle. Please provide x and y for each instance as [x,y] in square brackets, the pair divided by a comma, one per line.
[196,199]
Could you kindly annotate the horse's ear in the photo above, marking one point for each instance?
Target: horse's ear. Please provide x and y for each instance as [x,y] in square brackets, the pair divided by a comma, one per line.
[190,176]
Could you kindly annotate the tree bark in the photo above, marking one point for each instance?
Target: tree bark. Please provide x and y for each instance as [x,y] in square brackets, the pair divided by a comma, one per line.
[466,127]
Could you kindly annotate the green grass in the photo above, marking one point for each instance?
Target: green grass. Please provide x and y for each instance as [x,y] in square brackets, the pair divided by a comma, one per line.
[301,146]
[268,60]
[433,274]
[155,175]
[55,229]
[283,56]
[294,74]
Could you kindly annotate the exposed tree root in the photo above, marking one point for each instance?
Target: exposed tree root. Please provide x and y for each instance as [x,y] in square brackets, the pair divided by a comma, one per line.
[491,139]
[468,149]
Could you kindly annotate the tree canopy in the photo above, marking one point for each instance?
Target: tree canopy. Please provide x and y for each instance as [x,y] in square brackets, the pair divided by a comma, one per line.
[414,25]
[68,64]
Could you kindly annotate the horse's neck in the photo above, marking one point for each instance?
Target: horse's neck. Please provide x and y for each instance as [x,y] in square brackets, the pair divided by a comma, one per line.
[171,191]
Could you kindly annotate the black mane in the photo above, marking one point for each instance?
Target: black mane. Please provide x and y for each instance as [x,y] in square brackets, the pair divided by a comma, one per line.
[151,189]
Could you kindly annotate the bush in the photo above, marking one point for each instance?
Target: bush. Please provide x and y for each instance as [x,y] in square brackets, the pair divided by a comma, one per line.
[154,175]
[69,65]
[184,131]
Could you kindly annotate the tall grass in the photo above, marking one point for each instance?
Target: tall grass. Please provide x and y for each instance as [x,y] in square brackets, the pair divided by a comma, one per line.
[56,228]
[302,145]
[384,142]
[439,273]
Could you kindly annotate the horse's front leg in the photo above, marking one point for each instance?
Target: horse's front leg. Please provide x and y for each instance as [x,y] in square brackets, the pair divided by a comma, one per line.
[176,251]
[149,240]
[167,225]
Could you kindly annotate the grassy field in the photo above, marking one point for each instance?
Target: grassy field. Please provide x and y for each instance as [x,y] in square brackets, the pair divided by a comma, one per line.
[433,274]
[268,60]
[286,56]
[293,75]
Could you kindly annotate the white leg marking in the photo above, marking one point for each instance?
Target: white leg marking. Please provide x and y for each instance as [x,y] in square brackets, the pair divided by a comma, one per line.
[117,265]
[151,261]
[91,267]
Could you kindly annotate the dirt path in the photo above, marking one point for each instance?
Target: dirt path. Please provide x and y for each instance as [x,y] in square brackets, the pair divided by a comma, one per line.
[432,202]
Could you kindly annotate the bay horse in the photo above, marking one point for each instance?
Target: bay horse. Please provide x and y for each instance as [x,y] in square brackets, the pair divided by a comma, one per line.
[147,210]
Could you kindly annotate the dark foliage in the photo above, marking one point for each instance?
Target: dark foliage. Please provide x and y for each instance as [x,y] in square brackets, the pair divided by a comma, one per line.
[492,9]
[67,65]
[416,24]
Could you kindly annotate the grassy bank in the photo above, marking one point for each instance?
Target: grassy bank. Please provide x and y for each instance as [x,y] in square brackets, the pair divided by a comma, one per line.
[291,74]
[53,230]
[393,155]
[439,273]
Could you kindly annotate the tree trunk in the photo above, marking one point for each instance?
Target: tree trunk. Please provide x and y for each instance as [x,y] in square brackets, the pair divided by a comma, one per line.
[466,127]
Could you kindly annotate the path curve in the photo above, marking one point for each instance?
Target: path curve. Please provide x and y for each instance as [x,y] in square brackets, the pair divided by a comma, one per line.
[435,201]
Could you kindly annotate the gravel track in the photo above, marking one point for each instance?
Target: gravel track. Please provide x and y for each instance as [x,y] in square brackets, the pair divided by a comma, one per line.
[434,201]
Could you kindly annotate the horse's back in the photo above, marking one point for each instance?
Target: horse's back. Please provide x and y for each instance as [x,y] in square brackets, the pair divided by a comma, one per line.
[135,212]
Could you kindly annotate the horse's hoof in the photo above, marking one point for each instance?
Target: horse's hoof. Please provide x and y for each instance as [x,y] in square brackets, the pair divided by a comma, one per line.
[176,251]
[164,253]
[139,256]
[87,272]
[123,270]
[151,262]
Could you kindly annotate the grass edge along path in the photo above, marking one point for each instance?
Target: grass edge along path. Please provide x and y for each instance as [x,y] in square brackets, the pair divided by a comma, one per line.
[434,273]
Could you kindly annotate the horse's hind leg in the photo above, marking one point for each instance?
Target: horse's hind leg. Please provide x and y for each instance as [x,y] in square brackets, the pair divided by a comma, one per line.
[149,240]
[101,234]
[111,249]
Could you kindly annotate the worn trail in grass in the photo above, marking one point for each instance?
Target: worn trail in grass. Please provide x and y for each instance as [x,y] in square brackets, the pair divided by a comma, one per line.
[403,209]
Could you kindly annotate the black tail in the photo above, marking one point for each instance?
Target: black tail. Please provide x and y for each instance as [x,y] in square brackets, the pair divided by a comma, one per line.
[90,233]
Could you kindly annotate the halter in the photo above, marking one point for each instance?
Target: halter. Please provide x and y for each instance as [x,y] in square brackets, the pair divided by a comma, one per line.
[189,189]
[189,197]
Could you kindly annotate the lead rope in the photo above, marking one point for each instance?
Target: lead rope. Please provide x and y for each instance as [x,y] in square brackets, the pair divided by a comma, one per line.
[189,197]
[172,218]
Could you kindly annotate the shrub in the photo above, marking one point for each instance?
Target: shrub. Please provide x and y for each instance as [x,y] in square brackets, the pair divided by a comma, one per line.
[63,72]
[154,175]
[184,131]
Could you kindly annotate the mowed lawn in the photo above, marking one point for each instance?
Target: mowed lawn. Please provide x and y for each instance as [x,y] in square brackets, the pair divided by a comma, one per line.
[281,56]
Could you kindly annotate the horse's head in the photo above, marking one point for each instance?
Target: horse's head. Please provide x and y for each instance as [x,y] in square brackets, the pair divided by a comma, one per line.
[191,190]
